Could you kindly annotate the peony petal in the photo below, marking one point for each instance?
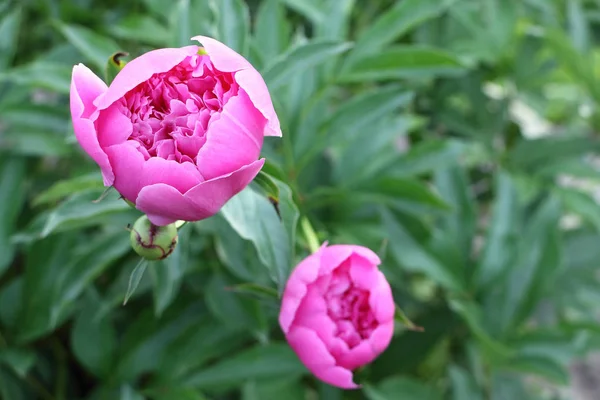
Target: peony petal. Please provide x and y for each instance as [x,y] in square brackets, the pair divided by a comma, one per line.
[252,82]
[232,141]
[357,356]
[227,60]
[334,256]
[140,69]
[314,355]
[304,274]
[85,88]
[128,164]
[381,337]
[364,273]
[181,176]
[164,204]
[381,300]
[222,57]
[113,126]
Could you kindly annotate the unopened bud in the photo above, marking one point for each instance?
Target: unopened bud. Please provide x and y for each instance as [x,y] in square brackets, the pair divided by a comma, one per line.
[153,242]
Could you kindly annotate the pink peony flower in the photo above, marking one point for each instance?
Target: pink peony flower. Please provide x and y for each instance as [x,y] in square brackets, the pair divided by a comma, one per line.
[337,312]
[179,131]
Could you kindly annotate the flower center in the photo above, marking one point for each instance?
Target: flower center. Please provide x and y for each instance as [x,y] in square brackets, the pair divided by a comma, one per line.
[348,306]
[171,111]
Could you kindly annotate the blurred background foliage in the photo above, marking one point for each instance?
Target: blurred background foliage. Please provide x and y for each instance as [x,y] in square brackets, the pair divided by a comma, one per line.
[455,137]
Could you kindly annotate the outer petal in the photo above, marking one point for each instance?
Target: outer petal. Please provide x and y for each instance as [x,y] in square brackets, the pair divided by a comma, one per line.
[234,140]
[252,82]
[364,273]
[141,69]
[313,353]
[381,300]
[113,127]
[85,88]
[381,337]
[128,165]
[182,177]
[164,204]
[296,288]
[227,60]
[357,356]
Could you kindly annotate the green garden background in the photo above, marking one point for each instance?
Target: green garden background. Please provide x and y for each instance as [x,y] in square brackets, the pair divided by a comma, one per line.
[458,139]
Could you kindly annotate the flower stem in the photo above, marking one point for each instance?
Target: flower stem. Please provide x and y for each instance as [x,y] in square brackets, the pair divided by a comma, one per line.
[310,235]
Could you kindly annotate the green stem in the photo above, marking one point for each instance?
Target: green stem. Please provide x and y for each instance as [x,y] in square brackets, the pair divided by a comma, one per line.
[310,235]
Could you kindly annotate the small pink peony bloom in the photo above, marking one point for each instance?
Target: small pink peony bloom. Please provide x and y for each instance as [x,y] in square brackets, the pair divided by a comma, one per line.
[179,131]
[337,312]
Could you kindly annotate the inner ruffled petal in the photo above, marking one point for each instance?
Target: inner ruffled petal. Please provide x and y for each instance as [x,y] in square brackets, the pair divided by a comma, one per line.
[169,113]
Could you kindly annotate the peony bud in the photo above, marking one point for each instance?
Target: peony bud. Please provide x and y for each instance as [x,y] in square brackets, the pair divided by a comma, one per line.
[337,312]
[153,242]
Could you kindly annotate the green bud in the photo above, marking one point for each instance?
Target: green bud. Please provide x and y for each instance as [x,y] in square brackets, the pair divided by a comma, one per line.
[153,242]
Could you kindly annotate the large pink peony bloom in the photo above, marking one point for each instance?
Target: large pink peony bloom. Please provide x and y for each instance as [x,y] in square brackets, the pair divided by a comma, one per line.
[338,312]
[179,131]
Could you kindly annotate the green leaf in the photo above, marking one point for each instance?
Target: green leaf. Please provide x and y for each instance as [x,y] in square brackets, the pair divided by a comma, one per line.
[272,29]
[463,385]
[538,154]
[94,341]
[272,361]
[428,156]
[268,185]
[10,303]
[310,9]
[402,387]
[41,74]
[135,278]
[12,198]
[289,213]
[113,66]
[80,211]
[141,28]
[472,315]
[580,203]
[576,64]
[67,187]
[403,62]
[178,393]
[459,226]
[232,309]
[93,46]
[148,341]
[358,161]
[254,218]
[299,58]
[538,258]
[188,19]
[35,143]
[167,274]
[233,23]
[388,190]
[59,269]
[20,360]
[290,389]
[401,18]
[9,30]
[204,341]
[365,110]
[414,257]
[503,234]
[10,387]
[578,26]
[407,349]
[88,262]
[44,261]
